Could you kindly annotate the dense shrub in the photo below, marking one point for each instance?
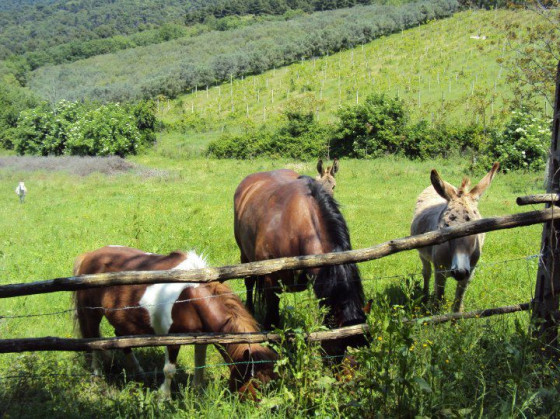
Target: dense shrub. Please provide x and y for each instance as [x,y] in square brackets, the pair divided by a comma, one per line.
[371,129]
[13,100]
[522,144]
[299,137]
[85,130]
[379,126]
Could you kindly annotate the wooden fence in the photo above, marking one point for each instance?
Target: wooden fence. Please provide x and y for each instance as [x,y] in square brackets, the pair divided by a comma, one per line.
[259,268]
[545,303]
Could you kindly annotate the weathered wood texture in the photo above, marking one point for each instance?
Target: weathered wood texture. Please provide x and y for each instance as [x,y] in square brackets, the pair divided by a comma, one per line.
[65,344]
[545,303]
[538,199]
[274,265]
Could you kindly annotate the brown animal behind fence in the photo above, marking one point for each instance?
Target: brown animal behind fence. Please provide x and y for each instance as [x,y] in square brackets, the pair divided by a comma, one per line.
[169,308]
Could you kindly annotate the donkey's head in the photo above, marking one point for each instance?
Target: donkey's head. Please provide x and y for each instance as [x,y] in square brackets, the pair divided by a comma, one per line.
[326,176]
[462,206]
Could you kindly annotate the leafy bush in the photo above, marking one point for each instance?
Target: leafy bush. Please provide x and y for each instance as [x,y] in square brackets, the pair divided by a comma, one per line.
[381,126]
[425,142]
[371,129]
[523,144]
[107,130]
[299,137]
[85,130]
[13,100]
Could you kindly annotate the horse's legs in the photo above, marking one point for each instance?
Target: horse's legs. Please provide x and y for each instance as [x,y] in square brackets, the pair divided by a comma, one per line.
[169,369]
[199,363]
[88,322]
[249,285]
[460,294]
[132,364]
[272,303]
[427,275]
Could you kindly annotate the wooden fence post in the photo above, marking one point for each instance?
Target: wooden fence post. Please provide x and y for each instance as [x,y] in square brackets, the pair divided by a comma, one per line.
[547,290]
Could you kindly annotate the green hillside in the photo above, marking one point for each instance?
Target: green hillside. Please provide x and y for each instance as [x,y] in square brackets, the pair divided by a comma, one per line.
[174,67]
[452,70]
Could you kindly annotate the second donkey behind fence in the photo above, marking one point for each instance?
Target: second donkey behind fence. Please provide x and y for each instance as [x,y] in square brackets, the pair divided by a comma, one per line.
[161,309]
[443,205]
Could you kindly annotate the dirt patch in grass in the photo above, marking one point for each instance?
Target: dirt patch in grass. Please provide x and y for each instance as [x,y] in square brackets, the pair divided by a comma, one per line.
[81,166]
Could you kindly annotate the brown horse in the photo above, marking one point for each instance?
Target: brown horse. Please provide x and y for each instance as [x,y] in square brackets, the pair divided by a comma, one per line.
[282,214]
[169,308]
[443,205]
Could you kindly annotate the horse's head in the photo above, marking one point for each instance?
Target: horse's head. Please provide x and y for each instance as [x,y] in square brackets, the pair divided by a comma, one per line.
[254,369]
[326,176]
[462,206]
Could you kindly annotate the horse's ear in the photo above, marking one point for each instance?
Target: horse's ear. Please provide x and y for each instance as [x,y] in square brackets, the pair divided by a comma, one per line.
[247,354]
[320,167]
[479,189]
[444,189]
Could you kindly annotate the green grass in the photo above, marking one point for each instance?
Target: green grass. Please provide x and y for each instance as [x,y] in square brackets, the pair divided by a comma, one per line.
[441,72]
[190,207]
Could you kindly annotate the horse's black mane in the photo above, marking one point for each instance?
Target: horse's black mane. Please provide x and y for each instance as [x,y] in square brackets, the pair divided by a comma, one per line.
[339,286]
[330,209]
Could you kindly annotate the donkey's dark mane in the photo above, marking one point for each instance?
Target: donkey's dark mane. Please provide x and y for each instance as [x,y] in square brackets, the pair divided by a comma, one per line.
[339,286]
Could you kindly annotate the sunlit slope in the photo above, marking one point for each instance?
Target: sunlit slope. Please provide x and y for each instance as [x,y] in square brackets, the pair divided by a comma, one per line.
[449,70]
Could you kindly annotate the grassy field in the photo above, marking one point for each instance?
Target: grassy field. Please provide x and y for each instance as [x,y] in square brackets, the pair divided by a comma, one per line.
[441,69]
[188,205]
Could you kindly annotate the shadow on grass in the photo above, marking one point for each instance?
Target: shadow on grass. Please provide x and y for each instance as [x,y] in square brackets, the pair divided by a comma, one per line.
[43,386]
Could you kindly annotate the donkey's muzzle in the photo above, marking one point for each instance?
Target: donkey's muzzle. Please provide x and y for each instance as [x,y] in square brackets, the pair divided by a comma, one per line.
[460,274]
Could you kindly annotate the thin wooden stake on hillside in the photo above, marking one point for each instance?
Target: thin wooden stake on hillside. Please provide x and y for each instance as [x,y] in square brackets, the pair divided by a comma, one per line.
[547,289]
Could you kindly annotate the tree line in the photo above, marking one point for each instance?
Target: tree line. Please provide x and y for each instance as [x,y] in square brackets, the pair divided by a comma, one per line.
[180,65]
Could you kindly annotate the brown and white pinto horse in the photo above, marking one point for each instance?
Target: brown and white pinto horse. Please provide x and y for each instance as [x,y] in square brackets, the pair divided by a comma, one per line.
[169,308]
[282,214]
[443,205]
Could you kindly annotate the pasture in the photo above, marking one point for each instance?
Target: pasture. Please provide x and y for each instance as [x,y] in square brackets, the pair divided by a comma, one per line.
[189,205]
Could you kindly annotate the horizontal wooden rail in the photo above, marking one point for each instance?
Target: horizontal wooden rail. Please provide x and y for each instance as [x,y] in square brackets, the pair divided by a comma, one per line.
[538,199]
[274,265]
[66,344]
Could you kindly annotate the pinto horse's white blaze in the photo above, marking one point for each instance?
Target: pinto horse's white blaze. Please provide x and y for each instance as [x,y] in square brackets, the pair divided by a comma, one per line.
[442,205]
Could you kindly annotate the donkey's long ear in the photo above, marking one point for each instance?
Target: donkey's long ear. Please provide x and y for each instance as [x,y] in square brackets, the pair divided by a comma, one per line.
[320,168]
[479,189]
[334,167]
[444,189]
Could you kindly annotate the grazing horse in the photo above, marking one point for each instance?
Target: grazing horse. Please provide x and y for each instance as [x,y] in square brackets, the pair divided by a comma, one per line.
[161,309]
[282,214]
[442,205]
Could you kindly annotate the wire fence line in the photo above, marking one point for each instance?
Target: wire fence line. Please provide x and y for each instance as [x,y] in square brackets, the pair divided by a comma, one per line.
[281,264]
[238,293]
[77,345]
